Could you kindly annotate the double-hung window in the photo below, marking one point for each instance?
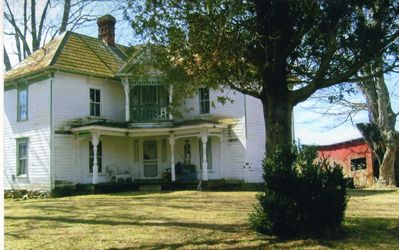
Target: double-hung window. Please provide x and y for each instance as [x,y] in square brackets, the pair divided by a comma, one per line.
[95,101]
[99,157]
[22,156]
[204,100]
[22,107]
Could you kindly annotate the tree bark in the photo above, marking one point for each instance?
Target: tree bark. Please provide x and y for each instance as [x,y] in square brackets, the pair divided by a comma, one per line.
[277,113]
[380,134]
[7,63]
[35,42]
[65,16]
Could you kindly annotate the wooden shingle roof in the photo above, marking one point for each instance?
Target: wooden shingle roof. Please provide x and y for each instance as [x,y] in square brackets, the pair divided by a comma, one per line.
[72,52]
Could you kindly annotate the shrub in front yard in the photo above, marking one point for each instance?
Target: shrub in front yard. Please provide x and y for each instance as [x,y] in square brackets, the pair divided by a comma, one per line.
[301,197]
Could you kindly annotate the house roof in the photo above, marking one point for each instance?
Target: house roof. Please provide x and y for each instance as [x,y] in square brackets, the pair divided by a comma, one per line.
[72,52]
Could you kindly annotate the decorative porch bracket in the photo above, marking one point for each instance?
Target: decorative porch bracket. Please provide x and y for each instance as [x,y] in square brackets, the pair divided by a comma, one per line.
[172,156]
[204,140]
[126,88]
[95,139]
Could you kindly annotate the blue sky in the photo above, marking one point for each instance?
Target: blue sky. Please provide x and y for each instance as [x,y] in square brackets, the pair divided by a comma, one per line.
[314,128]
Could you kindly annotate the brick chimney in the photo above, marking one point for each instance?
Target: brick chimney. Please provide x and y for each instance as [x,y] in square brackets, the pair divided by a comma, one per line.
[106,29]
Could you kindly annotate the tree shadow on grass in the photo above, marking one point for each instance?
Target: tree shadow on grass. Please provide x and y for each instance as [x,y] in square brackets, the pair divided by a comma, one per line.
[163,223]
[361,233]
[364,192]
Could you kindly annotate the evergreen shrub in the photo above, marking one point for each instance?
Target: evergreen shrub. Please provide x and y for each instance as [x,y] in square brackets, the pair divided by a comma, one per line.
[301,197]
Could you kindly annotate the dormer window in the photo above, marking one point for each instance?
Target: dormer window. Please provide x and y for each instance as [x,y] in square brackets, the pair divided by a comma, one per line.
[22,107]
[95,102]
[204,100]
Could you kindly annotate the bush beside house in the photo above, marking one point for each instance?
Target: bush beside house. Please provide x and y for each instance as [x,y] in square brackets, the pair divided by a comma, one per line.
[300,197]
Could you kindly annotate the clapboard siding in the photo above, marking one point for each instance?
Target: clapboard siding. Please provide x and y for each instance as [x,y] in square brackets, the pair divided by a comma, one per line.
[36,129]
[65,163]
[72,97]
[255,138]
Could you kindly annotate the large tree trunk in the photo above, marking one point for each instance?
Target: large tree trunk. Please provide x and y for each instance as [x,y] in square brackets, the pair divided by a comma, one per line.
[380,134]
[277,112]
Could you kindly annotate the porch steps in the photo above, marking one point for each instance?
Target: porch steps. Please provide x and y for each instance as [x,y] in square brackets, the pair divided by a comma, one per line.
[150,187]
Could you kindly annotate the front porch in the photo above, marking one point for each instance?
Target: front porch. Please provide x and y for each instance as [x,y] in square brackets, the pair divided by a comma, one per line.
[110,153]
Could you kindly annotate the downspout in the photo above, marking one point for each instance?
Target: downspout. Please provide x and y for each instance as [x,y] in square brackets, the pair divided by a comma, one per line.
[51,134]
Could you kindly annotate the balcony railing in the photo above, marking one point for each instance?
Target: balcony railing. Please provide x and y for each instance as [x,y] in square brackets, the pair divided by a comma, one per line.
[149,114]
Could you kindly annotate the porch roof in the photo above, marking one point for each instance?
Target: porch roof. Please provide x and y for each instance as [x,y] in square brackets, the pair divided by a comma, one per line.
[122,129]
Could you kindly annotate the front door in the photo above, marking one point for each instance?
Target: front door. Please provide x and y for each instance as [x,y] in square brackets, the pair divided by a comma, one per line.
[150,159]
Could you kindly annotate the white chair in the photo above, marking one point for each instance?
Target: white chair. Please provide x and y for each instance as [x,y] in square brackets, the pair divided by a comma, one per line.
[119,173]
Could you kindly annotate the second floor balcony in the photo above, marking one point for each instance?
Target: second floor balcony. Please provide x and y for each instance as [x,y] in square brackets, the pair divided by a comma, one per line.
[149,103]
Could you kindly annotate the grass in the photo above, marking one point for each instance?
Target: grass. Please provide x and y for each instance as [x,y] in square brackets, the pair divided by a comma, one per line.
[184,219]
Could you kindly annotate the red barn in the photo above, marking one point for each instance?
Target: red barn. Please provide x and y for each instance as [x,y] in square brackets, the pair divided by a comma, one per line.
[356,159]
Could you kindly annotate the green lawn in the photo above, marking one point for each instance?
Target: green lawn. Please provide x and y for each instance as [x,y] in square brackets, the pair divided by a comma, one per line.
[184,219]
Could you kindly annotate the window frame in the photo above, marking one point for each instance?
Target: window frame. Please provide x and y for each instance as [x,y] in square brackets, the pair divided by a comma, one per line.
[359,163]
[18,158]
[19,90]
[95,102]
[99,157]
[204,101]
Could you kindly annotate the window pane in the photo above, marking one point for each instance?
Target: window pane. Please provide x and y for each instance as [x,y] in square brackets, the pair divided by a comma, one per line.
[22,104]
[91,165]
[97,108]
[99,149]
[99,164]
[97,95]
[92,97]
[21,167]
[23,97]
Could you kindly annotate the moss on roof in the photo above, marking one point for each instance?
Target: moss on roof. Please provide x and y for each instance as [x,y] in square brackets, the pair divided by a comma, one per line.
[72,52]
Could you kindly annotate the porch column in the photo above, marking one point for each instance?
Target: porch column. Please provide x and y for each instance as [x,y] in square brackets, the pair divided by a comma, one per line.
[172,156]
[170,101]
[94,141]
[126,87]
[204,140]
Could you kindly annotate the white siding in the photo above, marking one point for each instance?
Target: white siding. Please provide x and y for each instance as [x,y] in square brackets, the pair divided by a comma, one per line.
[255,139]
[65,155]
[72,97]
[36,128]
[234,140]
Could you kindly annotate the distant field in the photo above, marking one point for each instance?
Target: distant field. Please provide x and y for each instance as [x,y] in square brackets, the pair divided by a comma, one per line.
[184,219]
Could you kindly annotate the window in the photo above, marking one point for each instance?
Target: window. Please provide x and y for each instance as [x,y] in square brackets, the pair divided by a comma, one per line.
[358,164]
[99,157]
[204,100]
[95,102]
[22,107]
[22,156]
[208,153]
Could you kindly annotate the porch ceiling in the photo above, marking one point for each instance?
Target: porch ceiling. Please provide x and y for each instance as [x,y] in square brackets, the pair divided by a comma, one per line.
[181,129]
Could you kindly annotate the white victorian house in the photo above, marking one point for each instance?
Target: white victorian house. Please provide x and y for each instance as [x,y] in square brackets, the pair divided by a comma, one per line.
[75,114]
